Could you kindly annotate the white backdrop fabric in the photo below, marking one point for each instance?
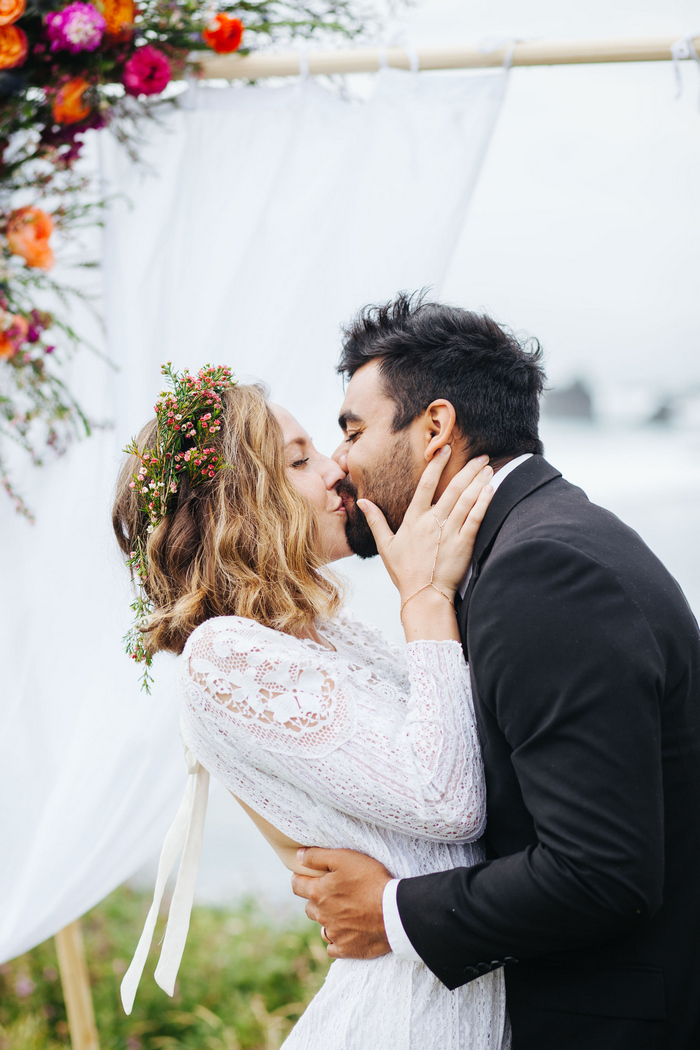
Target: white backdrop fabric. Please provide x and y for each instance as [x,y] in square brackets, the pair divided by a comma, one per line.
[262,219]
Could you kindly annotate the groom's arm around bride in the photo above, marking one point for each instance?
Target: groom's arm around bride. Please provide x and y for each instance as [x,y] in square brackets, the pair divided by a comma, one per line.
[585,663]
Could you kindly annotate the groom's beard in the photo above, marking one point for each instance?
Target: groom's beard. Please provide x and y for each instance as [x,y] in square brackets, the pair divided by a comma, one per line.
[391,492]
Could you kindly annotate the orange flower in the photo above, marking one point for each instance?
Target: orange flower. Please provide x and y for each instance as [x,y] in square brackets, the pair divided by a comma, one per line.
[68,106]
[119,16]
[10,11]
[13,46]
[28,232]
[223,34]
[7,347]
[14,334]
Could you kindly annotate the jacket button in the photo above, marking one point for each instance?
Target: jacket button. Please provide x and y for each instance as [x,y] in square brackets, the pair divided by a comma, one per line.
[470,971]
[509,958]
[495,963]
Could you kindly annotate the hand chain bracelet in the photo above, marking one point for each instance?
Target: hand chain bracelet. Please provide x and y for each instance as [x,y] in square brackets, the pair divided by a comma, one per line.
[430,583]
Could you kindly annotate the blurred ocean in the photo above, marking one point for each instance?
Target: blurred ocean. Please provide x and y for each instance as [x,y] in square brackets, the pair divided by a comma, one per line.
[648,475]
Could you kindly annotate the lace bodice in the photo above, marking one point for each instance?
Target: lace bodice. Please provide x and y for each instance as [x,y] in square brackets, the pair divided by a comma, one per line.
[292,727]
[362,746]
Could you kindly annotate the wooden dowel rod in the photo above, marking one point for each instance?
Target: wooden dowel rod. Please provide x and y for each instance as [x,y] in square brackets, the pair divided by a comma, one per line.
[369,59]
[76,987]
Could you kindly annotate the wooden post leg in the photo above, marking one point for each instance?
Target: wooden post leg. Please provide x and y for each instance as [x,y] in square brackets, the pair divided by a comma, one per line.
[76,987]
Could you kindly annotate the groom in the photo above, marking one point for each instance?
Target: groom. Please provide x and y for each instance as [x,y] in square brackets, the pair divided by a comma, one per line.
[585,663]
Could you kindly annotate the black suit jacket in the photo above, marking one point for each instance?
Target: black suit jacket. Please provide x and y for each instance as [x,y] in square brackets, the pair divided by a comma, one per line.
[585,663]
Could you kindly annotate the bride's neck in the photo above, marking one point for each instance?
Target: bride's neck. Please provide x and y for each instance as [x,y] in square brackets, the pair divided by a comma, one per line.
[312,633]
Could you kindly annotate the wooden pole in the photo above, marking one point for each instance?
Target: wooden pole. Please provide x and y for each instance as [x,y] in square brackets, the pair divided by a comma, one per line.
[76,987]
[370,59]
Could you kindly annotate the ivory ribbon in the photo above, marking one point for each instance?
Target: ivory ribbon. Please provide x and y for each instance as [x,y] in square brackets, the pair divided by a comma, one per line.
[184,836]
[683,48]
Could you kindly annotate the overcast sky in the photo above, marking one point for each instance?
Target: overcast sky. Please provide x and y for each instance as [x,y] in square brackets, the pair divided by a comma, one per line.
[584,226]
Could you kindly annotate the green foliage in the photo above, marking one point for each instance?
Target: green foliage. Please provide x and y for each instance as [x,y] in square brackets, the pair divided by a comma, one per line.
[243,982]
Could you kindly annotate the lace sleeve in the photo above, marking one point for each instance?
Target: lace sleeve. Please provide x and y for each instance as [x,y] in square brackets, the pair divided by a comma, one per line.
[370,643]
[308,720]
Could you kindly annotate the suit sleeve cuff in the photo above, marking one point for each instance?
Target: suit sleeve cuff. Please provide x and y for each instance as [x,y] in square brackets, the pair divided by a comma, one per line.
[393,927]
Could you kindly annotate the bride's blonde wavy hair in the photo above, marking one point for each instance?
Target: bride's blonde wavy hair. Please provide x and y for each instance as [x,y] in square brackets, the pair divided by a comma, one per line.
[243,543]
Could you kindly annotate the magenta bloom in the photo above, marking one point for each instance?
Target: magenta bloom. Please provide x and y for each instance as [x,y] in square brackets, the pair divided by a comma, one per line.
[147,72]
[78,27]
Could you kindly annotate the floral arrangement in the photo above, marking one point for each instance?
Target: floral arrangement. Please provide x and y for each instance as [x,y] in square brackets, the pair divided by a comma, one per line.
[37,410]
[66,69]
[187,417]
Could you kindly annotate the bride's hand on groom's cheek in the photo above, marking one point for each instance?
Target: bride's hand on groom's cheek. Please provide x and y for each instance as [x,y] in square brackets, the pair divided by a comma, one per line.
[435,542]
[346,899]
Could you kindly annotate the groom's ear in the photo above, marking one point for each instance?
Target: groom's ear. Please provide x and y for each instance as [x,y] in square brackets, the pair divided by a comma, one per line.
[438,425]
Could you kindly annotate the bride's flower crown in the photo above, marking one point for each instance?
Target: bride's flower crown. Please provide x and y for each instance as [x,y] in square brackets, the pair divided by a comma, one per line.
[186,419]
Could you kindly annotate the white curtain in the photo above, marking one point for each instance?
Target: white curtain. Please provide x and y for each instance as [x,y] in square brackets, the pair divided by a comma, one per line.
[261,219]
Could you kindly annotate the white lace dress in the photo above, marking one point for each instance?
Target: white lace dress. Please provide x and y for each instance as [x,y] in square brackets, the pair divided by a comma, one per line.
[365,748]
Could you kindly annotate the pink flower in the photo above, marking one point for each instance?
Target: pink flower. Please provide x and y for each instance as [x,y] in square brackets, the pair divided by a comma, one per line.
[147,72]
[78,27]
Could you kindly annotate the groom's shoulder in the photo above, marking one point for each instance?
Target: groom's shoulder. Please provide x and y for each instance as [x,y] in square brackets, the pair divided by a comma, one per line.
[557,526]
[561,511]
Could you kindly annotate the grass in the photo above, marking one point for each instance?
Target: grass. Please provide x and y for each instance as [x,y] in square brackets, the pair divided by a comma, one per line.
[243,982]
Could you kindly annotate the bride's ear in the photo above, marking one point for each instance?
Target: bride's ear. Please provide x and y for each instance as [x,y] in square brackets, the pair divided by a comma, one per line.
[439,426]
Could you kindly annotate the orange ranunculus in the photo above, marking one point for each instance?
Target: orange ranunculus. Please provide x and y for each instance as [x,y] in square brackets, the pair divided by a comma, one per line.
[13,46]
[12,337]
[119,16]
[7,347]
[28,232]
[68,106]
[223,34]
[10,11]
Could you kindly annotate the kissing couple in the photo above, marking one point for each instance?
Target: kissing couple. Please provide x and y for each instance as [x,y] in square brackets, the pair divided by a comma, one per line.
[498,826]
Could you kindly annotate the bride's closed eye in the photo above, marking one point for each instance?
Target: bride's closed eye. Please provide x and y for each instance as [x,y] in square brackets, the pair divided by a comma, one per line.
[299,462]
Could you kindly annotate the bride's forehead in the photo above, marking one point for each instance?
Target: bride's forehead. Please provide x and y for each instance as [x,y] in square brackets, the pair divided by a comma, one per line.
[292,430]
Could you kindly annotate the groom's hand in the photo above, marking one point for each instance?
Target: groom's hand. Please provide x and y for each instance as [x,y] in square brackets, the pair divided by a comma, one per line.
[346,900]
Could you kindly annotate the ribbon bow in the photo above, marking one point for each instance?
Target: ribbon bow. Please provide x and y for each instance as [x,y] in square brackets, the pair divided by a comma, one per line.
[184,836]
[683,48]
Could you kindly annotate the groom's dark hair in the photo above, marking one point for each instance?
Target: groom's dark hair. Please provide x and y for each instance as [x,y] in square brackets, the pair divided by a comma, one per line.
[430,350]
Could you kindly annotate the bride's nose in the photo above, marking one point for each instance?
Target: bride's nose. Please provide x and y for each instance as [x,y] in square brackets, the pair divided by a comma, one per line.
[331,472]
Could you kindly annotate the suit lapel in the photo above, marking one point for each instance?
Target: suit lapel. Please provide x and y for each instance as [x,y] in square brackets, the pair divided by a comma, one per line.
[525,479]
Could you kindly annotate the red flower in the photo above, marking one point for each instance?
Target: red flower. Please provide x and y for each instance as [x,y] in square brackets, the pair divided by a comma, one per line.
[223,34]
[12,337]
[147,72]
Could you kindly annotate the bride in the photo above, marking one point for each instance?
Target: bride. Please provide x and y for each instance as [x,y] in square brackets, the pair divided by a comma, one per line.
[324,732]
